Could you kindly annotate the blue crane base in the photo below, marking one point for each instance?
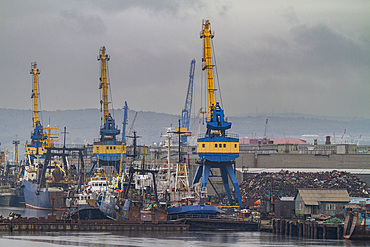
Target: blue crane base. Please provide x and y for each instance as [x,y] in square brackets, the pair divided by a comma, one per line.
[226,170]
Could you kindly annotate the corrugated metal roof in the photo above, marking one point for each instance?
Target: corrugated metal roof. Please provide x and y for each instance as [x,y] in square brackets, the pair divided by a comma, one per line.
[286,198]
[314,196]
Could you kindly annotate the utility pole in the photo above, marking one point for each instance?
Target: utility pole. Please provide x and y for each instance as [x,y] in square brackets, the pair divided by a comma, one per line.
[64,149]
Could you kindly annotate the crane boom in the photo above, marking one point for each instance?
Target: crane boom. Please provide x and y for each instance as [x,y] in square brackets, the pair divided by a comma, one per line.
[103,58]
[186,112]
[35,95]
[132,125]
[207,65]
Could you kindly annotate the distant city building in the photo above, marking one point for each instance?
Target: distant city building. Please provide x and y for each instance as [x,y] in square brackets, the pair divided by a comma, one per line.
[249,141]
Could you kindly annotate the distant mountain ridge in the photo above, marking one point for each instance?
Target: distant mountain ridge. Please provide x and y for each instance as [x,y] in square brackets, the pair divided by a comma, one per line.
[83,126]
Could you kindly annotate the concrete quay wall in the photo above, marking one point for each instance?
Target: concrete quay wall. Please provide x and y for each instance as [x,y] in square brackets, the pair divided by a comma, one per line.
[285,161]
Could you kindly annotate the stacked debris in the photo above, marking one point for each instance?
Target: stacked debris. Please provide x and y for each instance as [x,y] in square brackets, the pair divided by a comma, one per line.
[285,183]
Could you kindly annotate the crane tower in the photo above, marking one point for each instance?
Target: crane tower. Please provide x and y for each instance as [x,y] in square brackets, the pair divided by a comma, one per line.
[216,148]
[108,151]
[39,139]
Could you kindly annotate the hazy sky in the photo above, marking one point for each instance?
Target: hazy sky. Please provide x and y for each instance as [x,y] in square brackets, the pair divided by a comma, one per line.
[272,56]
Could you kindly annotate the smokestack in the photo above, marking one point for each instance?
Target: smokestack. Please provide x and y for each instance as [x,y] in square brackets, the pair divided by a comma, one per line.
[327,140]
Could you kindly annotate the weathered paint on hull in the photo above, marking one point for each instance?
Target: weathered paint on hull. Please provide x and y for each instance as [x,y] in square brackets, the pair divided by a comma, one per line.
[43,198]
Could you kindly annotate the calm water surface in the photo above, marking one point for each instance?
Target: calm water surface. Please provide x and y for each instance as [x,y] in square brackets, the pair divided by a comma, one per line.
[211,239]
[162,239]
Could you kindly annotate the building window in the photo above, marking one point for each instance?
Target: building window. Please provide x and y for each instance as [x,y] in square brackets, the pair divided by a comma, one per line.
[220,145]
[107,147]
[203,145]
[235,145]
[330,206]
[224,145]
[216,145]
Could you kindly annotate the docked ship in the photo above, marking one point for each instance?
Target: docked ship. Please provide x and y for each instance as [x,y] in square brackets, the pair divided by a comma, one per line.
[357,221]
[43,195]
[7,196]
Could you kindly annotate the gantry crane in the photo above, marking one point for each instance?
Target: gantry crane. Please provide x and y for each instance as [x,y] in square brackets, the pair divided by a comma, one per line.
[108,151]
[217,149]
[186,112]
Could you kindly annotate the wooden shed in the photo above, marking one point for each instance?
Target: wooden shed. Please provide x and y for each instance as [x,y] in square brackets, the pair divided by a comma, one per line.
[310,202]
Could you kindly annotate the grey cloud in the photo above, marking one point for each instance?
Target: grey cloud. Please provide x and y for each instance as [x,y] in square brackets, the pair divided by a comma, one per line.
[90,24]
[326,51]
[290,15]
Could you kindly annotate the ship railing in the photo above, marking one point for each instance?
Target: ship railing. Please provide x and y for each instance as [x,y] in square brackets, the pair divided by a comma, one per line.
[231,135]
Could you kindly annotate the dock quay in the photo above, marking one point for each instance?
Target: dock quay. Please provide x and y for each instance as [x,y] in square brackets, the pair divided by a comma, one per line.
[41,224]
[307,229]
[201,224]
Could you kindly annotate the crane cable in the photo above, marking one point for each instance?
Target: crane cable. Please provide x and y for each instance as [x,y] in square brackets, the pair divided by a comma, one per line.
[39,100]
[218,81]
[110,91]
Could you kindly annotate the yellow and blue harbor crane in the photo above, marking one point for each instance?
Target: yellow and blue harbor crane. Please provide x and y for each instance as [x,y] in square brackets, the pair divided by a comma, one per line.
[39,139]
[108,150]
[216,148]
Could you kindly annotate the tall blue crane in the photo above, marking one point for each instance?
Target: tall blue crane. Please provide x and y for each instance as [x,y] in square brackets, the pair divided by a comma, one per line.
[186,112]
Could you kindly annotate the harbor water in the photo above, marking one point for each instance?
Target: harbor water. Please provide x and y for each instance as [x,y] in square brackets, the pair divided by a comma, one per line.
[163,239]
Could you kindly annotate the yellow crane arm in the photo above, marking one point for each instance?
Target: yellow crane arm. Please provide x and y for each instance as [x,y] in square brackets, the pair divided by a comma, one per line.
[103,58]
[207,35]
[35,96]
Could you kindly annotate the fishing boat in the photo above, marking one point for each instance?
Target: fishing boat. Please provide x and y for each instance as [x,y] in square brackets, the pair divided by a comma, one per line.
[357,221]
[7,196]
[48,195]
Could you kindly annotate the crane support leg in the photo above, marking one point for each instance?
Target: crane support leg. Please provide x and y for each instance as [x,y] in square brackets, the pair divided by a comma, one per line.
[235,183]
[225,180]
[205,175]
[198,175]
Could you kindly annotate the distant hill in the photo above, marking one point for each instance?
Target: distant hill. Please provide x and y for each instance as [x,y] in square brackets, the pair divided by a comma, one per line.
[83,126]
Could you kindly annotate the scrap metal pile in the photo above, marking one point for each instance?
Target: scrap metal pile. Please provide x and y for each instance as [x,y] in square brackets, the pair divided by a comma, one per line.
[285,183]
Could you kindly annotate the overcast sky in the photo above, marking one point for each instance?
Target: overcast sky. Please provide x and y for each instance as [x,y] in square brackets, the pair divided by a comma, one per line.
[309,57]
